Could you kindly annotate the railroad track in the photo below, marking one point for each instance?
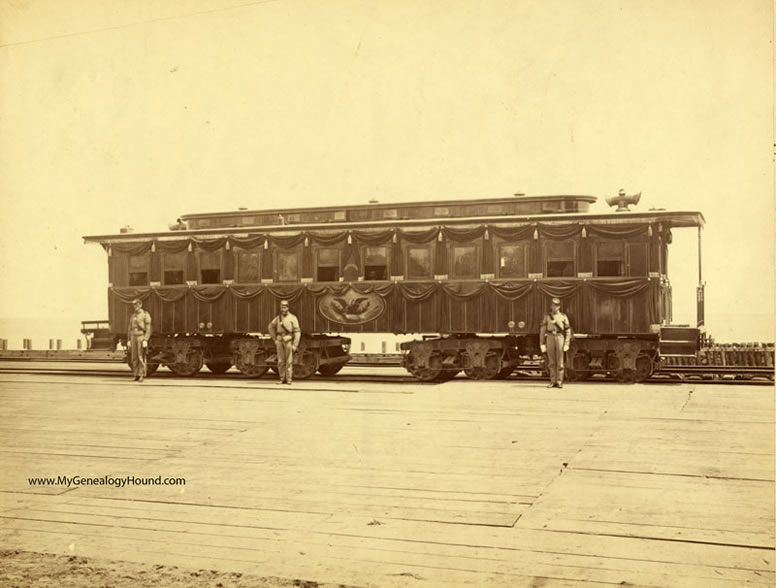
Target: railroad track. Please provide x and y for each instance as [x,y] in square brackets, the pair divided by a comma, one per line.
[390,373]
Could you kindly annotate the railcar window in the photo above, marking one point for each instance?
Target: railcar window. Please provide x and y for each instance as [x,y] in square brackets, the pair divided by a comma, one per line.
[560,259]
[610,258]
[210,267]
[418,263]
[512,261]
[328,265]
[138,270]
[465,262]
[173,268]
[375,263]
[288,266]
[248,268]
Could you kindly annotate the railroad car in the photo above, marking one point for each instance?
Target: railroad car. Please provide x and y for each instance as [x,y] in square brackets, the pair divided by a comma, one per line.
[470,277]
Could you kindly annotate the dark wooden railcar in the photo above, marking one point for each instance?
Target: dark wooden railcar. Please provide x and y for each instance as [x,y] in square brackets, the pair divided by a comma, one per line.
[472,275]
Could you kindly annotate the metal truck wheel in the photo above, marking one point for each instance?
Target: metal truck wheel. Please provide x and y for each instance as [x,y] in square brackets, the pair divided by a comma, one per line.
[489,371]
[579,371]
[644,367]
[190,367]
[307,365]
[448,375]
[330,369]
[430,372]
[252,370]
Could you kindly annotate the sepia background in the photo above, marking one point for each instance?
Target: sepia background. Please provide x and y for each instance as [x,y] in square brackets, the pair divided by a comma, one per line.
[133,112]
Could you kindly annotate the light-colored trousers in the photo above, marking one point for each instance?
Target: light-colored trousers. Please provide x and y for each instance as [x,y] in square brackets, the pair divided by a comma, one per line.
[285,359]
[136,356]
[555,357]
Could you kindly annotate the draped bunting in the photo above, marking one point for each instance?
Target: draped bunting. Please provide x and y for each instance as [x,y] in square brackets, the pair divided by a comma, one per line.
[290,293]
[171,246]
[207,293]
[367,238]
[512,233]
[463,290]
[246,292]
[130,248]
[463,235]
[559,231]
[605,305]
[413,291]
[619,288]
[287,242]
[512,290]
[247,242]
[417,292]
[419,236]
[360,287]
[127,295]
[210,244]
[386,237]
[618,231]
[559,288]
[320,239]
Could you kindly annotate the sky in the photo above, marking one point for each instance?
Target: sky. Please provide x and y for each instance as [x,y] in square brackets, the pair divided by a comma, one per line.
[133,112]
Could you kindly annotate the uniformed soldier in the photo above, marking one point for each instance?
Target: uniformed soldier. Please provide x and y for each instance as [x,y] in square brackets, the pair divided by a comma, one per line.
[284,329]
[554,339]
[138,333]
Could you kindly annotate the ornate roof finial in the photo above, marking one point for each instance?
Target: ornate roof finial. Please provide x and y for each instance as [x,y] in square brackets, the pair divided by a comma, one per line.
[622,201]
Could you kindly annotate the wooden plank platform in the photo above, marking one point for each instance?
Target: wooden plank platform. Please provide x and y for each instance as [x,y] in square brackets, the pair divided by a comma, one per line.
[461,483]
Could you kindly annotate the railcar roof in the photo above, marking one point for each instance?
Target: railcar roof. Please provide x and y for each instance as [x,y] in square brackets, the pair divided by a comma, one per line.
[521,199]
[675,219]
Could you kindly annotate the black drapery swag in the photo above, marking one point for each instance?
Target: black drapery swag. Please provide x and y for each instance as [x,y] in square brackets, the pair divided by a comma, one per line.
[385,237]
[412,291]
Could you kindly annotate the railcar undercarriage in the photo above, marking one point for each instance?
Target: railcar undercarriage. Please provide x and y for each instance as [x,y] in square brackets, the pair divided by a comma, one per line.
[253,355]
[628,359]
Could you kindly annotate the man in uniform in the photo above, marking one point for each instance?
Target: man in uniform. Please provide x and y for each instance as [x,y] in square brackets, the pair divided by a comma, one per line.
[554,340]
[138,333]
[284,329]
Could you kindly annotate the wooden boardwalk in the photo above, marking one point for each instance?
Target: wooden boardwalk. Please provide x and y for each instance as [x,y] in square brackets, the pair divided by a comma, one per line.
[461,483]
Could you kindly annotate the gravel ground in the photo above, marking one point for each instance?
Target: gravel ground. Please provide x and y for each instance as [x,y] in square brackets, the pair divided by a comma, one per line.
[25,569]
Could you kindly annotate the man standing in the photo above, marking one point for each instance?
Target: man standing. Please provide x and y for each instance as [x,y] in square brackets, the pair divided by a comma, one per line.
[284,329]
[138,333]
[554,340]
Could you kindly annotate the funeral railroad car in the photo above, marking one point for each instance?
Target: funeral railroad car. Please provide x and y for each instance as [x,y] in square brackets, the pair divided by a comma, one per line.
[470,277]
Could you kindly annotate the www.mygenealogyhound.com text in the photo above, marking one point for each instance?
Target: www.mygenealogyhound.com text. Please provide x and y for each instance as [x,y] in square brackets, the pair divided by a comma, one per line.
[116,481]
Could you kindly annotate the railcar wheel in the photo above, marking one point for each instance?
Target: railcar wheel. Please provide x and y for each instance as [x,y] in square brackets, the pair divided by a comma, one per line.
[330,369]
[504,373]
[218,367]
[429,373]
[190,367]
[307,366]
[252,370]
[579,371]
[644,367]
[489,371]
[448,375]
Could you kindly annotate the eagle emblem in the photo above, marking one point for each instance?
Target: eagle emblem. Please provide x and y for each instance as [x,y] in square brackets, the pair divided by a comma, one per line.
[351,308]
